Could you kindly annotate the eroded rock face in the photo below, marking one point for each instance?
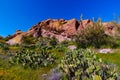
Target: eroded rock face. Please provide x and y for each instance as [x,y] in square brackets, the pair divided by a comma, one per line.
[59,28]
[71,27]
[109,28]
[85,23]
[15,40]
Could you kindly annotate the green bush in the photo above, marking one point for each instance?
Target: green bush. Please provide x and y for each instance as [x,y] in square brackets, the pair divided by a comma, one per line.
[32,59]
[84,65]
[47,42]
[4,47]
[28,40]
[30,47]
[93,36]
[2,39]
[65,43]
[53,42]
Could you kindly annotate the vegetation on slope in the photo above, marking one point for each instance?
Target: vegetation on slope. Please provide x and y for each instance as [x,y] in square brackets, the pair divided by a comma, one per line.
[35,58]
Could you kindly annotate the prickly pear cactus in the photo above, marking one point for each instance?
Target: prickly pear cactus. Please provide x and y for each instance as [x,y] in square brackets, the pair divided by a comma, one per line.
[84,65]
[32,59]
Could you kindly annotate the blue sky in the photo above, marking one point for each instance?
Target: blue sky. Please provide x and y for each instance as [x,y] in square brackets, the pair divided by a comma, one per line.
[22,14]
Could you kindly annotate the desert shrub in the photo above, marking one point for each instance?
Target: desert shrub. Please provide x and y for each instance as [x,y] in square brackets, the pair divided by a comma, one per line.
[65,43]
[4,46]
[30,47]
[42,42]
[2,39]
[53,42]
[47,42]
[60,48]
[28,40]
[84,65]
[32,59]
[93,36]
[117,43]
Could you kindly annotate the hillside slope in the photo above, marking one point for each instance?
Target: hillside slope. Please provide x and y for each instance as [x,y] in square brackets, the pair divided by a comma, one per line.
[58,28]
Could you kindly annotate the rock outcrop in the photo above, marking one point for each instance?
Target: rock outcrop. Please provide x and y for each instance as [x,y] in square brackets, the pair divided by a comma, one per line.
[59,28]
[110,28]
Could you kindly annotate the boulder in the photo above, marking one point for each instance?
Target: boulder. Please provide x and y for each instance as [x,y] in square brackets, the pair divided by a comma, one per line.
[105,51]
[72,47]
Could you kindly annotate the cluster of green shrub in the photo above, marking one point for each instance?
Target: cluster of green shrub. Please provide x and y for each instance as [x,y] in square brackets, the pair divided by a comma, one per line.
[26,40]
[32,59]
[82,64]
[39,54]
[3,48]
[52,43]
[78,64]
[94,36]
